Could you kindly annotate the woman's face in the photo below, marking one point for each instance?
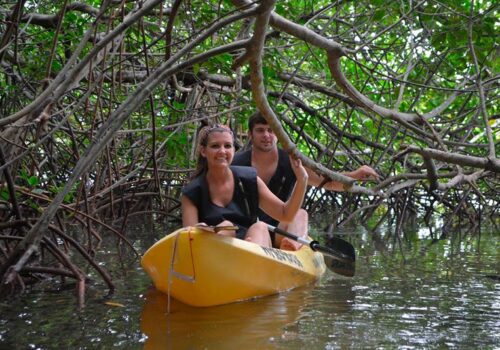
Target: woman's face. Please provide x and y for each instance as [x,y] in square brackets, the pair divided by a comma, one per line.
[219,150]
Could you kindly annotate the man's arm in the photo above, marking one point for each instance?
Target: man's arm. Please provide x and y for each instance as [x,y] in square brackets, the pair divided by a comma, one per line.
[363,173]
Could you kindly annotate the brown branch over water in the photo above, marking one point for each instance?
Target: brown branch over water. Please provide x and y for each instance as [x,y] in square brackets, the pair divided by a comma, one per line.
[344,91]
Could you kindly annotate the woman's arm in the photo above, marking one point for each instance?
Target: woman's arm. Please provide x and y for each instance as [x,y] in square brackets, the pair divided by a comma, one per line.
[275,207]
[189,212]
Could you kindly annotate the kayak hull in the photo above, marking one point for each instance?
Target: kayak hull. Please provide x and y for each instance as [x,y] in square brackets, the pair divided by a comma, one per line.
[200,268]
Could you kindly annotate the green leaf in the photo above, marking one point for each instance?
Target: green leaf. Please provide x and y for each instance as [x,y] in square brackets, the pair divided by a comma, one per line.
[24,175]
[269,72]
[56,66]
[379,14]
[5,195]
[33,181]
[70,16]
[178,105]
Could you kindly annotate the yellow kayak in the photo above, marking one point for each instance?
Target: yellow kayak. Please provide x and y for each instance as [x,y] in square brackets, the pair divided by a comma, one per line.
[201,268]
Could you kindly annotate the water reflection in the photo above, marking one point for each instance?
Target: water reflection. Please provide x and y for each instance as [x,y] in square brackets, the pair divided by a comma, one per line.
[263,323]
[425,301]
[252,322]
[336,294]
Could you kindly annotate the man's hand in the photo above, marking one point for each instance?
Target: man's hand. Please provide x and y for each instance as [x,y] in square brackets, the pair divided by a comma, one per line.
[364,173]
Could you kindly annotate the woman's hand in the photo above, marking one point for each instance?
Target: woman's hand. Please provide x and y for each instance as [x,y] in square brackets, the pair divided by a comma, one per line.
[226,228]
[299,170]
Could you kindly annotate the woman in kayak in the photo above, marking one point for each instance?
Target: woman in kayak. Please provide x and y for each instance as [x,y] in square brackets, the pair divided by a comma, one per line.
[224,195]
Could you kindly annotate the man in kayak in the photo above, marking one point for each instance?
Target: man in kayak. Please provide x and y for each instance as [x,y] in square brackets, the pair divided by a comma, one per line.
[273,167]
[221,194]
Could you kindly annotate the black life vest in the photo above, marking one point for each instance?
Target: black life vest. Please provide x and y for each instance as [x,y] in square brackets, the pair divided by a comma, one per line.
[281,183]
[241,211]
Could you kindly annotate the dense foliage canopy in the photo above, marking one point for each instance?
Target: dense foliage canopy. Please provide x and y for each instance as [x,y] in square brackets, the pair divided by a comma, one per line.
[100,103]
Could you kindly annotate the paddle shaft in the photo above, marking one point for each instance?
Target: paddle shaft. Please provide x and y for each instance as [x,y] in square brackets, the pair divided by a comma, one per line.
[314,245]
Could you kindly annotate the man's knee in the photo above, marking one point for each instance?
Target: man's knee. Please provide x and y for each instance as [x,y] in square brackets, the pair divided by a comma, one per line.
[302,215]
[259,228]
[258,233]
[261,225]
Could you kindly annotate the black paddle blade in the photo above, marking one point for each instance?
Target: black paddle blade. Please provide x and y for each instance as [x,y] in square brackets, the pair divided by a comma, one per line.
[344,267]
[342,246]
[336,260]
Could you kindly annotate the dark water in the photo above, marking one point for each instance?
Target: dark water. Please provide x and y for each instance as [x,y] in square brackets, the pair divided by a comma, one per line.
[407,294]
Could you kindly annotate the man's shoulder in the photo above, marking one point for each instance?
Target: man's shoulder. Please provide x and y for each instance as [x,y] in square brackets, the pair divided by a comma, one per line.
[282,153]
[243,158]
[284,159]
[284,168]
[244,171]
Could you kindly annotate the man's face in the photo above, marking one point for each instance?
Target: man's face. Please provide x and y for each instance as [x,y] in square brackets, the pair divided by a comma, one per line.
[263,137]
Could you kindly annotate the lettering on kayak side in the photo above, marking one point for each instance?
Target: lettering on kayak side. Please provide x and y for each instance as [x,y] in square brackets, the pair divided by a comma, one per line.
[282,256]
